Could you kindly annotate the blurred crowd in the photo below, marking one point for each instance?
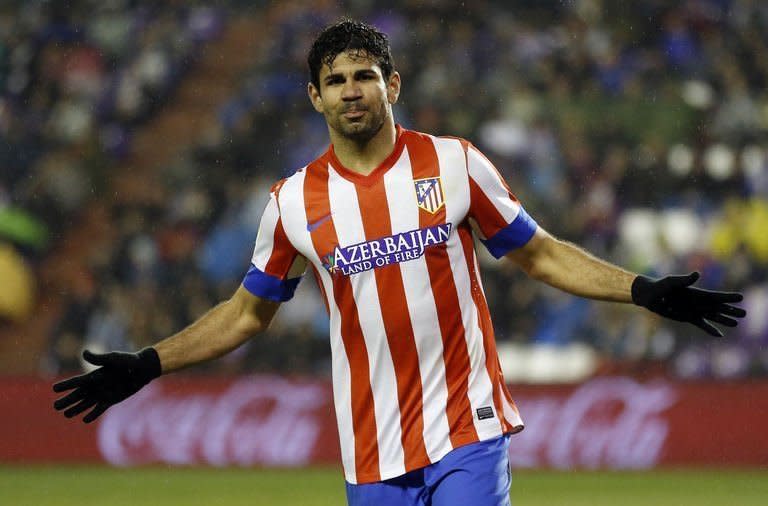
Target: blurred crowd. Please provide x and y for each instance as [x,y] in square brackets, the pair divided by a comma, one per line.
[76,78]
[635,129]
[80,75]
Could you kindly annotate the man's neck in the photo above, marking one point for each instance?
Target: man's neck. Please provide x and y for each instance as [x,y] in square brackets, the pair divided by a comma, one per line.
[363,158]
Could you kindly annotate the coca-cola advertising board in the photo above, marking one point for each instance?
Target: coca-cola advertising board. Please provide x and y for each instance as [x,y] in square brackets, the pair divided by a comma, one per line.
[609,423]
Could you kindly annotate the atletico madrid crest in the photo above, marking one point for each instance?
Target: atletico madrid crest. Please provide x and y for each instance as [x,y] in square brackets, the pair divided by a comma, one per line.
[429,194]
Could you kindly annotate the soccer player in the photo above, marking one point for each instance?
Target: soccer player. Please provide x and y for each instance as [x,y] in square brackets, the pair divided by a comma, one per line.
[387,221]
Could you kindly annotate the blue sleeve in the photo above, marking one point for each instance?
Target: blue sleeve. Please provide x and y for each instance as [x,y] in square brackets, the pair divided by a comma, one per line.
[513,236]
[269,287]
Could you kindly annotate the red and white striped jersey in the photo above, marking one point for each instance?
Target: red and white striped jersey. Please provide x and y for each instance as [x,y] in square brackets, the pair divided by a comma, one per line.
[415,368]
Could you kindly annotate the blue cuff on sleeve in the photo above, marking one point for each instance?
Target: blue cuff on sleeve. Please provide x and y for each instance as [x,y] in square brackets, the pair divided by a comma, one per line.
[513,236]
[269,287]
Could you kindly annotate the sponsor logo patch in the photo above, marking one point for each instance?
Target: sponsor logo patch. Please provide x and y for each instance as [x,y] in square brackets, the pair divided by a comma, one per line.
[393,249]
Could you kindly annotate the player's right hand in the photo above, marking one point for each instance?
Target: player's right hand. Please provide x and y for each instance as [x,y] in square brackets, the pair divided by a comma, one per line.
[120,376]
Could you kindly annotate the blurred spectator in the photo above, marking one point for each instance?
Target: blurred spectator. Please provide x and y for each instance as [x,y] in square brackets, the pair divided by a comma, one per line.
[17,293]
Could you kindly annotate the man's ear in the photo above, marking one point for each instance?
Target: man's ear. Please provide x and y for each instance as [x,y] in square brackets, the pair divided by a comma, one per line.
[315,97]
[393,87]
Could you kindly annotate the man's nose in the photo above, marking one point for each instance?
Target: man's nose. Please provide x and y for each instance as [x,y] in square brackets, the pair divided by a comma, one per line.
[351,91]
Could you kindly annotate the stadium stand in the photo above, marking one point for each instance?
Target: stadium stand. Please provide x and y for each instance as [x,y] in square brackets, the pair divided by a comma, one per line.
[637,130]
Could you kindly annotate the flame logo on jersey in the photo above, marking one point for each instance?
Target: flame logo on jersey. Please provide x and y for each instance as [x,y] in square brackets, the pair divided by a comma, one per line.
[329,262]
[384,251]
[429,194]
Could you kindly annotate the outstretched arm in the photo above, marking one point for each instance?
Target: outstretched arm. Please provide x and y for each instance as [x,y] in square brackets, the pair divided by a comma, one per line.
[570,268]
[217,332]
[121,374]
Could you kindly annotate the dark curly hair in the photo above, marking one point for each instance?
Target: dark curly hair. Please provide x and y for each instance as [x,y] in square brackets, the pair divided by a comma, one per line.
[349,35]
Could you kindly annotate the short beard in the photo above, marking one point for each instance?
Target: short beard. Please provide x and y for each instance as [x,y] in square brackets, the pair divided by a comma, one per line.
[366,134]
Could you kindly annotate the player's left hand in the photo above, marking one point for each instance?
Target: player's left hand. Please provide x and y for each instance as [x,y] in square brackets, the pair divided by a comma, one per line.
[674,297]
[120,376]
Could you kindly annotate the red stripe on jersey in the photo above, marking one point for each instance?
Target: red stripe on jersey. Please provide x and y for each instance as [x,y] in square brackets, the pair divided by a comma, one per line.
[498,174]
[480,205]
[321,287]
[424,164]
[484,313]
[503,387]
[318,207]
[282,258]
[374,210]
[484,322]
[380,170]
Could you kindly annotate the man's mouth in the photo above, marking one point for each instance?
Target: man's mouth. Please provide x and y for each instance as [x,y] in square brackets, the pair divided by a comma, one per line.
[354,114]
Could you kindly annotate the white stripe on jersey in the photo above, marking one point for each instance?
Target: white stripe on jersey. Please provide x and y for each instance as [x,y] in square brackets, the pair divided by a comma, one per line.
[292,210]
[294,214]
[349,229]
[342,384]
[398,181]
[263,248]
[491,184]
[450,154]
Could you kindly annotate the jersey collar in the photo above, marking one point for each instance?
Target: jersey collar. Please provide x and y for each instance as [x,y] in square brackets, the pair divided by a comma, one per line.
[380,170]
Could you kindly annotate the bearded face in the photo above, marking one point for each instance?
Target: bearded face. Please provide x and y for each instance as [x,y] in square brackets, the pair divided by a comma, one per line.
[354,96]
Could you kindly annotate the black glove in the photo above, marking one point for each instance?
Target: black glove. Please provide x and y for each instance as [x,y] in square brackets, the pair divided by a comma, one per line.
[675,298]
[121,375]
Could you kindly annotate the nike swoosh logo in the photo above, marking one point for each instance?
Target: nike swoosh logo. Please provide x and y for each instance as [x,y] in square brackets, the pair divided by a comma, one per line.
[311,227]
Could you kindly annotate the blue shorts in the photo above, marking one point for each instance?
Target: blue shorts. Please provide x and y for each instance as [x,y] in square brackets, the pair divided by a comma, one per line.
[477,473]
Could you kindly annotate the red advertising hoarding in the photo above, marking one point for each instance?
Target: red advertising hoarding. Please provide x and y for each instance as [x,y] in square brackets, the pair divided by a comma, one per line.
[610,423]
